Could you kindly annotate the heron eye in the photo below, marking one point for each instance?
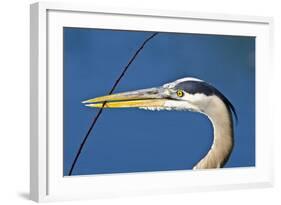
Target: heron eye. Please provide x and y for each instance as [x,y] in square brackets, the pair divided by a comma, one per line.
[180,93]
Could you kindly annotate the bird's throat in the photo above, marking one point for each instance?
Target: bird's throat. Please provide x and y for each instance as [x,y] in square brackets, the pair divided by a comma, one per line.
[222,146]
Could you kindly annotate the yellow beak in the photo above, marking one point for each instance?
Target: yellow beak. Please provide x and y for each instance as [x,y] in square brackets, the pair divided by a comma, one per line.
[141,98]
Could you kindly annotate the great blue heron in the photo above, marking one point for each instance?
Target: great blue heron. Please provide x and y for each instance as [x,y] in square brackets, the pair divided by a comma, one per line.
[190,94]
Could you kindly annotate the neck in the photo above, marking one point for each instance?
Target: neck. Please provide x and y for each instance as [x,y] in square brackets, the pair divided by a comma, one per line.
[221,119]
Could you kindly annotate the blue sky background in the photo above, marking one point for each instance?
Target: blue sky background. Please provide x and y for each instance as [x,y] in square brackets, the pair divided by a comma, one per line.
[133,140]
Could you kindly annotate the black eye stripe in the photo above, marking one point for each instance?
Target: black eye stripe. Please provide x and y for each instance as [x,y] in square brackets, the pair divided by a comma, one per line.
[193,87]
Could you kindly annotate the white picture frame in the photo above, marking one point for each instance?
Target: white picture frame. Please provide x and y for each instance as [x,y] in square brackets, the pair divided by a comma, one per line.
[46,179]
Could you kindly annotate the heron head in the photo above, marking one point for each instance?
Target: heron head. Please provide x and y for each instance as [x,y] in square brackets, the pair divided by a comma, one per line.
[184,94]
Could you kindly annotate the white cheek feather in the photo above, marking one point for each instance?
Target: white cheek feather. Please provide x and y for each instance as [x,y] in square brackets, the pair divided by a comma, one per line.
[180,105]
[199,100]
[196,98]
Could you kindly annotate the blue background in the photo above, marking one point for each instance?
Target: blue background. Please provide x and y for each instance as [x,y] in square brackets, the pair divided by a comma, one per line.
[134,140]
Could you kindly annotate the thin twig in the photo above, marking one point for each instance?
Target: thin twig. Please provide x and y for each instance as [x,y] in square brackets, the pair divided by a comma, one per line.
[101,109]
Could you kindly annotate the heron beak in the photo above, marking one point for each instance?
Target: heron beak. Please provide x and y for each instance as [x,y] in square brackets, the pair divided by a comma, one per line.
[152,97]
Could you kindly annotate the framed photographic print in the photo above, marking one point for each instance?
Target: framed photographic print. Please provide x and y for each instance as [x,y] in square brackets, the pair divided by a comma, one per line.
[128,101]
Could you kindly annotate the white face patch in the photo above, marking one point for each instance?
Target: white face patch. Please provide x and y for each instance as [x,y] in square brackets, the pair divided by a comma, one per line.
[200,100]
[197,97]
[180,105]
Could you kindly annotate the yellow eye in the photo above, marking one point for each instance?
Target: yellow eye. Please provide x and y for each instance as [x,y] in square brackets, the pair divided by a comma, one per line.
[180,93]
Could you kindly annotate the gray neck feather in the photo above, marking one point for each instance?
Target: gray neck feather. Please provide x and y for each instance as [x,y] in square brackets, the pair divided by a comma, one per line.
[221,119]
